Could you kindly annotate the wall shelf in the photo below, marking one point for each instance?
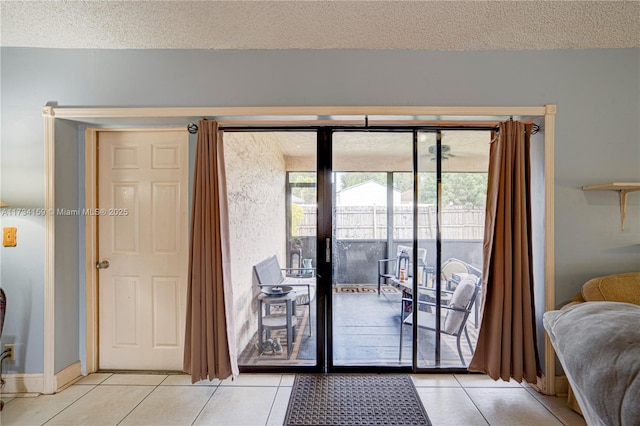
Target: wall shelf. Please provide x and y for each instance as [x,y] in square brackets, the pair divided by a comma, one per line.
[623,188]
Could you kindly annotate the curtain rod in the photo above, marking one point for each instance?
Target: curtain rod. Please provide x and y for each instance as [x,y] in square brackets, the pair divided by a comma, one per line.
[379,126]
[381,129]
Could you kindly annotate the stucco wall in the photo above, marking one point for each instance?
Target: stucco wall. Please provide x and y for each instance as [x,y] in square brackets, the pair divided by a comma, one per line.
[256,192]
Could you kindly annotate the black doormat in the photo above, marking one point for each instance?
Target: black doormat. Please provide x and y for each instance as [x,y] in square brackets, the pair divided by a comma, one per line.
[354,399]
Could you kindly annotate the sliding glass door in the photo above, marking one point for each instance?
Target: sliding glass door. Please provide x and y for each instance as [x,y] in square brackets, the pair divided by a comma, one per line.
[407,230]
[375,237]
[271,187]
[372,221]
[452,170]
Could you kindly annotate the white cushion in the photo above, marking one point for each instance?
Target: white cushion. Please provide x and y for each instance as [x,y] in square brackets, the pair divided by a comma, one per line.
[460,300]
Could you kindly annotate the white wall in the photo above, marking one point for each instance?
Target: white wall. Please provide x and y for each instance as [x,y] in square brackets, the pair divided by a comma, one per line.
[67,268]
[597,130]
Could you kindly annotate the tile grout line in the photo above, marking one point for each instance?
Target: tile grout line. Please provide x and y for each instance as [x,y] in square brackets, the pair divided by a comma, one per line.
[511,387]
[266,422]
[72,402]
[546,408]
[464,389]
[141,401]
[216,387]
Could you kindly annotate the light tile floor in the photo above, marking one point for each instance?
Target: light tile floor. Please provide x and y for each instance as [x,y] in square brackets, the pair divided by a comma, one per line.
[261,399]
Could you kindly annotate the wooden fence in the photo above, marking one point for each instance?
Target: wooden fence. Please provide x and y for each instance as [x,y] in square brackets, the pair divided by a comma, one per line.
[370,222]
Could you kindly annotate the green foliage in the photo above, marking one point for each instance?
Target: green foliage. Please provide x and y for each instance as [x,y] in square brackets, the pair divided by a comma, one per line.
[307,193]
[296,217]
[458,189]
[464,189]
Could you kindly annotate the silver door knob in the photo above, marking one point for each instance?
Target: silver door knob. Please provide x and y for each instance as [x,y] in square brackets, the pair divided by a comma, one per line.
[102,265]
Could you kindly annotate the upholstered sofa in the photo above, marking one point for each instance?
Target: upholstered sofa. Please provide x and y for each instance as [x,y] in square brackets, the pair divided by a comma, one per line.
[597,340]
[611,288]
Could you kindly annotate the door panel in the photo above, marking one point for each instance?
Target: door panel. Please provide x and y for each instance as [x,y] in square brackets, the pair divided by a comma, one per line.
[272,192]
[166,312]
[388,195]
[368,199]
[125,305]
[125,229]
[165,219]
[143,233]
[457,186]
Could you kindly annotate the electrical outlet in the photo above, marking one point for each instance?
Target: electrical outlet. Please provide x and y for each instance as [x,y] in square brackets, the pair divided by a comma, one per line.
[12,352]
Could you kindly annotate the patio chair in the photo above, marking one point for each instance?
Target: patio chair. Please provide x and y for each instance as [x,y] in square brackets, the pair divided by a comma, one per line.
[453,270]
[450,274]
[454,315]
[450,267]
[388,268]
[269,273]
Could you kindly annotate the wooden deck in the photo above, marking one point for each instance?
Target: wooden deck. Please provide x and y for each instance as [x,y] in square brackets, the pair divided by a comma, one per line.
[366,332]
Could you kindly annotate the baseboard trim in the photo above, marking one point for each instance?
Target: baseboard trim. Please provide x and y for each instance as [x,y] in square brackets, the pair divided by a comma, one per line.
[23,383]
[68,375]
[560,383]
[562,386]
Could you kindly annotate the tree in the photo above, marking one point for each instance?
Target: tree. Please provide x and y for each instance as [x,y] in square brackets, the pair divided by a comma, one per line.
[464,189]
[306,191]
[297,214]
[458,189]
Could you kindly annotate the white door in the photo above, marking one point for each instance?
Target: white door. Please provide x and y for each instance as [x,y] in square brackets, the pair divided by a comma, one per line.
[143,234]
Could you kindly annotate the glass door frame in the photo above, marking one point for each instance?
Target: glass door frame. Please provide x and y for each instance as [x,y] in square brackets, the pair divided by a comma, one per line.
[324,255]
[328,207]
[326,204]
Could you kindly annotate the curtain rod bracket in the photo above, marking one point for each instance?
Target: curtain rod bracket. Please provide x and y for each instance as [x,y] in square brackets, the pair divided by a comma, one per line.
[192,128]
[535,129]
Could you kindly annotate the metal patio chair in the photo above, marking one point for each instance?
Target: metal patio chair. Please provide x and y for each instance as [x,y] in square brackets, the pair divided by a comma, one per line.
[453,316]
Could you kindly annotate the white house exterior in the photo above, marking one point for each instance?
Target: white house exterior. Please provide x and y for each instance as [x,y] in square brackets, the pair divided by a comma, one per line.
[366,194]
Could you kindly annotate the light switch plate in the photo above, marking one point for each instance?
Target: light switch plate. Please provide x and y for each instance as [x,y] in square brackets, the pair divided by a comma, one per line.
[9,236]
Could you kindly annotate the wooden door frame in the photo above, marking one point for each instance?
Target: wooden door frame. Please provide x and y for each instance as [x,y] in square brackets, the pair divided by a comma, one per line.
[91,237]
[246,115]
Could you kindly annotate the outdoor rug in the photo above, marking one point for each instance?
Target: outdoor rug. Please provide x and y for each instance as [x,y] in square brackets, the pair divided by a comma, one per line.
[304,348]
[354,399]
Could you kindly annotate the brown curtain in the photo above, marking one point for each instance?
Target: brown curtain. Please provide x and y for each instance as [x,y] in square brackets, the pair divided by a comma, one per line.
[209,349]
[506,345]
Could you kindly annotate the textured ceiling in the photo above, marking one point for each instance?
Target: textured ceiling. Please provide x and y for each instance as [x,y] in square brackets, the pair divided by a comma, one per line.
[426,25]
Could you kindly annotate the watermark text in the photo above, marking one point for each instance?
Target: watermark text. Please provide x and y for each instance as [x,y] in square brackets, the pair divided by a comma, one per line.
[64,212]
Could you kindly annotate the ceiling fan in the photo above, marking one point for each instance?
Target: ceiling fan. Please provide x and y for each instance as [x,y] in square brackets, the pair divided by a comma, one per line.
[445,150]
